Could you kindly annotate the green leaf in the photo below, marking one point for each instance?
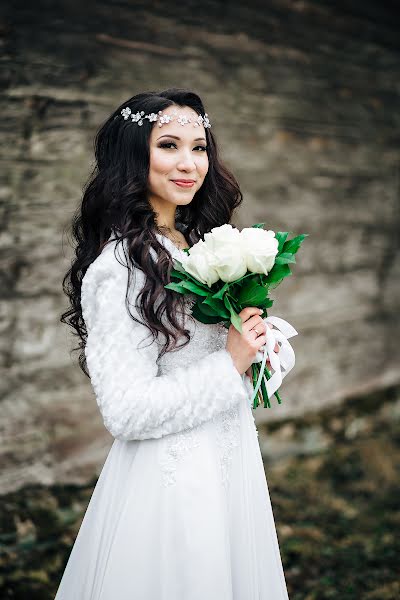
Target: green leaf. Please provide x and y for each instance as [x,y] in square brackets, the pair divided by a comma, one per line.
[220,293]
[276,283]
[281,237]
[184,275]
[195,288]
[267,303]
[239,281]
[278,272]
[203,318]
[206,309]
[259,225]
[235,319]
[178,274]
[285,258]
[252,294]
[218,306]
[293,245]
[176,287]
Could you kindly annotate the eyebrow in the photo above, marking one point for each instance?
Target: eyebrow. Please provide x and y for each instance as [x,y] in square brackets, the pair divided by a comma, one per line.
[178,138]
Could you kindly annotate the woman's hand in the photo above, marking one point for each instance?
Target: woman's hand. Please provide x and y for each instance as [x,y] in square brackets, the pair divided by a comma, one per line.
[244,346]
[268,363]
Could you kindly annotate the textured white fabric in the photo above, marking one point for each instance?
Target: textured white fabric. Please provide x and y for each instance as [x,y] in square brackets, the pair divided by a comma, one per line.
[181,510]
[134,401]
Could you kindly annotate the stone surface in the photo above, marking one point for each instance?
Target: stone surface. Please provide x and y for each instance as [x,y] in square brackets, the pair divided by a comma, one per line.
[303,98]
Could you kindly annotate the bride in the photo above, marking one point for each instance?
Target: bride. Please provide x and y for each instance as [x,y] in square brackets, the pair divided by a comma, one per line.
[181,509]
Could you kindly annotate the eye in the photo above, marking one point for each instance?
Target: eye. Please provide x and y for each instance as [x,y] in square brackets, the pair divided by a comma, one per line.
[168,144]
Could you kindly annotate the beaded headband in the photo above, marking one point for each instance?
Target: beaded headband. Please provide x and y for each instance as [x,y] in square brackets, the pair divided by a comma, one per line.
[182,119]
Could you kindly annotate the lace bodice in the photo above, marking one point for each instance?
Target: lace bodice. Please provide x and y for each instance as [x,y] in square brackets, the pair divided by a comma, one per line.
[204,339]
[139,396]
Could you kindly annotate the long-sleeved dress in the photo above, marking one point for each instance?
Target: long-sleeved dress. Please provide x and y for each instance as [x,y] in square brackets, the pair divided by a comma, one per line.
[181,509]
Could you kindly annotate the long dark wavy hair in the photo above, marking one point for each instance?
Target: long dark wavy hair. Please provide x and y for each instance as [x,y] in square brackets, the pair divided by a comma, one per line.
[116,198]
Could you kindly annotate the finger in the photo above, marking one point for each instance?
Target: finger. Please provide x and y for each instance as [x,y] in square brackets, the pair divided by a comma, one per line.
[248,311]
[262,340]
[254,321]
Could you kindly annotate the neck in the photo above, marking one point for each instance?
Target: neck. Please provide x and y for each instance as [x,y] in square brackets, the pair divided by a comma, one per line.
[167,228]
[165,214]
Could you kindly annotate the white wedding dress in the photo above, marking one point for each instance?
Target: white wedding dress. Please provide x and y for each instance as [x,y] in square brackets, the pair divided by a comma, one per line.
[181,509]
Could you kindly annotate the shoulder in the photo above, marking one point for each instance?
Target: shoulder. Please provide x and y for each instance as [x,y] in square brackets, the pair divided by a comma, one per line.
[112,263]
[107,278]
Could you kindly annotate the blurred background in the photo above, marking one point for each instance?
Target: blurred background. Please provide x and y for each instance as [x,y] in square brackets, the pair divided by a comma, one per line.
[303,97]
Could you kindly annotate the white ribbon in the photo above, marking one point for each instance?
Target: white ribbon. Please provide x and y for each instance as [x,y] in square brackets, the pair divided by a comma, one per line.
[281,362]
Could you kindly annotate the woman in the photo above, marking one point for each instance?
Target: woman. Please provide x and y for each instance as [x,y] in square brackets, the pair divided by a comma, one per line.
[181,510]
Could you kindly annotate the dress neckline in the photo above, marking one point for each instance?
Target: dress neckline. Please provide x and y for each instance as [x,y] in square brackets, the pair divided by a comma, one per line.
[170,243]
[163,239]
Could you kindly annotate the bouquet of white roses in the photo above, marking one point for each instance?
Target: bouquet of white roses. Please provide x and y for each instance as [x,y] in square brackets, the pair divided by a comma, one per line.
[232,269]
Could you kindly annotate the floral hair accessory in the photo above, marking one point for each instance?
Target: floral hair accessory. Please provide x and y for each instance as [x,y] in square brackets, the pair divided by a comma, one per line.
[161,118]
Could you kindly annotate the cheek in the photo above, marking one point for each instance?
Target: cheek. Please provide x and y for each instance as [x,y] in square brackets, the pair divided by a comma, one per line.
[160,162]
[203,166]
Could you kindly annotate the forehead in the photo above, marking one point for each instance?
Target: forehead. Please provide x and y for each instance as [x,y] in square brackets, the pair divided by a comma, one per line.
[184,132]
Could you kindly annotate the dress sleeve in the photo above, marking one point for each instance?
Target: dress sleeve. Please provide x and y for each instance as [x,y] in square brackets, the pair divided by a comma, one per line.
[135,402]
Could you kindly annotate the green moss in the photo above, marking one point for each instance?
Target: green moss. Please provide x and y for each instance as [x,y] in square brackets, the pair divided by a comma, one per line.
[336,512]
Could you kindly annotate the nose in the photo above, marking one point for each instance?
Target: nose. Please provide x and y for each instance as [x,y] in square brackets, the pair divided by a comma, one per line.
[186,161]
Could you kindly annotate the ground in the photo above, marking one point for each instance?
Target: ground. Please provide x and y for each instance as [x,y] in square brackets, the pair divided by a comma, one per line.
[336,509]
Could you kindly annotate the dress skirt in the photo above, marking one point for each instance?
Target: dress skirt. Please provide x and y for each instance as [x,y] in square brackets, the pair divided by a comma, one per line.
[184,517]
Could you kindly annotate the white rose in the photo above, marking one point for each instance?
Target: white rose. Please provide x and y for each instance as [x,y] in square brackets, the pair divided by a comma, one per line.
[230,263]
[224,243]
[221,236]
[260,248]
[200,264]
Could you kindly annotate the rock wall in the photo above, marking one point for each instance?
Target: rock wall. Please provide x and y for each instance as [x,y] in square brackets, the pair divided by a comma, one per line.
[303,97]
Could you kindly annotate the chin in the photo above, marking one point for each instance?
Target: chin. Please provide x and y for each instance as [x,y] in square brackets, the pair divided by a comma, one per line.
[184,202]
[180,199]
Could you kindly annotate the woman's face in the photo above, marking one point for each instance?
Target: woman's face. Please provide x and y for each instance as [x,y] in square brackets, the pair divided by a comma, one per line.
[177,152]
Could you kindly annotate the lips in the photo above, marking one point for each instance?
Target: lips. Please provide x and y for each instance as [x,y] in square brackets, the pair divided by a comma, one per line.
[183,183]
[183,180]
